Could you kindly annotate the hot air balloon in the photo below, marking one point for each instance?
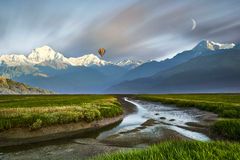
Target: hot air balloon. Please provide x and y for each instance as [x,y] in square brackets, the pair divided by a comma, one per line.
[101,51]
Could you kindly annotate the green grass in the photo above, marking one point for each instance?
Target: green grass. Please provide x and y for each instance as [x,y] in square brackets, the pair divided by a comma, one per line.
[21,101]
[229,129]
[226,106]
[44,110]
[180,150]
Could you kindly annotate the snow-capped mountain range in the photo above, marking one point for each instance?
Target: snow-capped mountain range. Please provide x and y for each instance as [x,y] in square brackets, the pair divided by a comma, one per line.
[46,56]
[48,69]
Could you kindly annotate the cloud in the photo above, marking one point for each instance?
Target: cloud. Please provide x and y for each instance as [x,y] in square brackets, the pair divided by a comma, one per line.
[136,29]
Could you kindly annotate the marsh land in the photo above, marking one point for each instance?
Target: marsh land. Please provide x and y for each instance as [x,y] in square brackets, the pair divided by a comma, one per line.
[196,126]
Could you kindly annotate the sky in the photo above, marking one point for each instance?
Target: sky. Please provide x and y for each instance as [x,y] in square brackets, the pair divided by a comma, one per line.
[133,29]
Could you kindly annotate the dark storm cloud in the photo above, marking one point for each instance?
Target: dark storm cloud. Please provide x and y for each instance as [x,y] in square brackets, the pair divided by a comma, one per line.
[136,29]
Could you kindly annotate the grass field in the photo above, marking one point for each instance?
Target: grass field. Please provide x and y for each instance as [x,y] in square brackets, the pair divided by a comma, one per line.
[227,106]
[36,111]
[45,110]
[180,150]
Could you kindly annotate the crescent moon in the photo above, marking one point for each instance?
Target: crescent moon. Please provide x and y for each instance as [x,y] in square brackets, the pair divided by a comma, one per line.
[194,24]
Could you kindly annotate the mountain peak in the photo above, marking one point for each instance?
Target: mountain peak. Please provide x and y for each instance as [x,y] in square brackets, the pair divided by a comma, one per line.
[211,45]
[44,50]
[45,47]
[44,53]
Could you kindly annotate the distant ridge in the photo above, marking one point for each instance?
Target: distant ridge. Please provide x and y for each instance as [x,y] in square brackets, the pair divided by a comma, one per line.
[205,47]
[8,86]
[208,67]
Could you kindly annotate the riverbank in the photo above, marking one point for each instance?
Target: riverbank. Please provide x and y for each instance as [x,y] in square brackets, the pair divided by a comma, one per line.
[19,136]
[61,116]
[76,147]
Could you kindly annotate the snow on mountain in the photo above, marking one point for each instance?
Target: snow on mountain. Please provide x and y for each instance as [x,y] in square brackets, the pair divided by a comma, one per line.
[87,60]
[129,63]
[46,56]
[14,60]
[214,46]
[46,53]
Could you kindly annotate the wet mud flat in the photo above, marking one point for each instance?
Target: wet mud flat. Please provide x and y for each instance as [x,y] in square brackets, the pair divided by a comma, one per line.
[73,149]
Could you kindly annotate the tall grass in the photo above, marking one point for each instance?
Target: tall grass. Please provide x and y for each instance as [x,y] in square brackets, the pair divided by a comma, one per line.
[180,150]
[62,110]
[21,101]
[228,129]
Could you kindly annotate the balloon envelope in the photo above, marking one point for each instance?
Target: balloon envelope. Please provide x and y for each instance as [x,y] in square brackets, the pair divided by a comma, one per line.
[101,51]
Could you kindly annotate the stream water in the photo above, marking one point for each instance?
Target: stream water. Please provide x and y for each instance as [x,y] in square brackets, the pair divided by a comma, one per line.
[162,117]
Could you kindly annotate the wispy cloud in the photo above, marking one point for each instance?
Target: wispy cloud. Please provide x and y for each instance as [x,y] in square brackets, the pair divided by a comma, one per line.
[137,29]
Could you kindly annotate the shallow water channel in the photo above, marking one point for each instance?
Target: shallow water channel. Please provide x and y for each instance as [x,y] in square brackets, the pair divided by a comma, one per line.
[151,118]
